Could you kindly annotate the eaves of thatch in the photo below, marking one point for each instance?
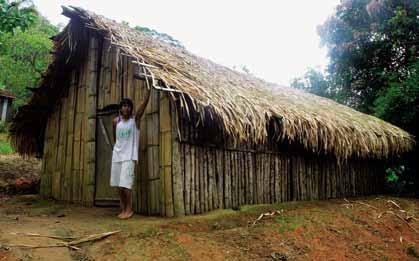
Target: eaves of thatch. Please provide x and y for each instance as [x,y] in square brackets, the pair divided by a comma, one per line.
[244,105]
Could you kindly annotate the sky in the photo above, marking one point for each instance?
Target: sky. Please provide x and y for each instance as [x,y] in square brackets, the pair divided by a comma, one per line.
[276,40]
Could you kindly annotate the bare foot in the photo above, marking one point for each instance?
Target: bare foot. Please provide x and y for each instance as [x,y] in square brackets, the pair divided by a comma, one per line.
[127,215]
[120,215]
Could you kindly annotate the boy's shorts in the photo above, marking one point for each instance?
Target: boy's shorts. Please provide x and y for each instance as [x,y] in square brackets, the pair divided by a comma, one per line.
[122,174]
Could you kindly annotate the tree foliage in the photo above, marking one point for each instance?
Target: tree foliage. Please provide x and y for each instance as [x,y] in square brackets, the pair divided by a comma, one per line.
[316,82]
[16,14]
[372,45]
[24,56]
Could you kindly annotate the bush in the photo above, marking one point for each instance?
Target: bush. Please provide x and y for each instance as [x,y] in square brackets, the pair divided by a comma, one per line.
[3,127]
[399,180]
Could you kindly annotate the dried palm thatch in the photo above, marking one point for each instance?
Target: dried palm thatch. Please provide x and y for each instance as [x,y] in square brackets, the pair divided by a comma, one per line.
[245,105]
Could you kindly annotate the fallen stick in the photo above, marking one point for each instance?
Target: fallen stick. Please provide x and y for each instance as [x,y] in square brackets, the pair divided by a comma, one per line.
[39,235]
[361,203]
[71,244]
[404,220]
[43,246]
[365,204]
[394,203]
[92,237]
[267,214]
[400,217]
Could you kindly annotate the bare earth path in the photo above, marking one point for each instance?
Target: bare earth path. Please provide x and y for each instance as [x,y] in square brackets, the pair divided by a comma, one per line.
[364,229]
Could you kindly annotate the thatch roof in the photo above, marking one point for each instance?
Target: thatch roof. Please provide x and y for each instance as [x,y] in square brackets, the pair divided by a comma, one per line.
[7,93]
[245,105]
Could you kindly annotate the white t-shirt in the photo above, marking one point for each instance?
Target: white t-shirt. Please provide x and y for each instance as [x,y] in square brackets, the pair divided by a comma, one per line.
[127,141]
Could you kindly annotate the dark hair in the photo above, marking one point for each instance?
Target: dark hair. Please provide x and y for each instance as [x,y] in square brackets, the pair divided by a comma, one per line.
[128,102]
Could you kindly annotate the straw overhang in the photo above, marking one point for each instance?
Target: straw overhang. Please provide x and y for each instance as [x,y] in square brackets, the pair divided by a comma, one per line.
[245,104]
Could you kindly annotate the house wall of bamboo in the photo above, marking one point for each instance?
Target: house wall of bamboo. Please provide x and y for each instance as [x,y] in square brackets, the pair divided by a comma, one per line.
[68,166]
[228,175]
[178,173]
[70,157]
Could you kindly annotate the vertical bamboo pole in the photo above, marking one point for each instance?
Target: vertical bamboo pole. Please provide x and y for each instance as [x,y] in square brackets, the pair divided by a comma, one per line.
[200,172]
[205,178]
[58,149]
[45,175]
[62,147]
[227,179]
[220,183]
[250,166]
[177,174]
[193,180]
[212,190]
[188,179]
[91,106]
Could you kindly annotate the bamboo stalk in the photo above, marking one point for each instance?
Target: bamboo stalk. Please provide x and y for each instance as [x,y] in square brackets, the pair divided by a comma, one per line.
[188,179]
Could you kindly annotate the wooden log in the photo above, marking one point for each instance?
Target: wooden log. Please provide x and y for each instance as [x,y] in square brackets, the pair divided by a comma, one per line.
[90,107]
[284,178]
[45,176]
[76,143]
[198,181]
[303,178]
[263,178]
[267,182]
[57,173]
[205,178]
[250,167]
[188,178]
[277,179]
[259,173]
[201,179]
[177,174]
[213,201]
[68,181]
[235,203]
[193,181]
[227,179]
[307,170]
[244,175]
[221,173]
[63,148]
[237,178]
[245,168]
[272,196]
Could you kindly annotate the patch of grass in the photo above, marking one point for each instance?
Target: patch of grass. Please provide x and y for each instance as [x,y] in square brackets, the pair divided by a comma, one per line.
[63,232]
[258,209]
[290,223]
[5,148]
[146,233]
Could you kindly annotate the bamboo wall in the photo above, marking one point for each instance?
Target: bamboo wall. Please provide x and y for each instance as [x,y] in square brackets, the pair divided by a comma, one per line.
[178,175]
[68,166]
[68,170]
[216,177]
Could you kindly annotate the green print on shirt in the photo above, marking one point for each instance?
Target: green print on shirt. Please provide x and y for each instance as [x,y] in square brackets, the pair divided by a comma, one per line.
[123,134]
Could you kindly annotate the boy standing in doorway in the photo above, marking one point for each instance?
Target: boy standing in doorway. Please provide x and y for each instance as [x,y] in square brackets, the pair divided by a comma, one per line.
[125,152]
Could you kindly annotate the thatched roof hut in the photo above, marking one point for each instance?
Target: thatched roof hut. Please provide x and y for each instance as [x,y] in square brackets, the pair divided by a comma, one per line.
[245,111]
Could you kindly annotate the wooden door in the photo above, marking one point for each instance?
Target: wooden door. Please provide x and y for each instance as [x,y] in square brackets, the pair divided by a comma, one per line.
[105,195]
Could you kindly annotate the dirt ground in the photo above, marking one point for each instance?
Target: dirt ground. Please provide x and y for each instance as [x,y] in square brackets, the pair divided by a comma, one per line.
[18,175]
[370,228]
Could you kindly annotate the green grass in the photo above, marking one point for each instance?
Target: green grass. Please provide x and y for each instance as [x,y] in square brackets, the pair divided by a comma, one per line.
[290,223]
[5,147]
